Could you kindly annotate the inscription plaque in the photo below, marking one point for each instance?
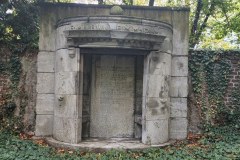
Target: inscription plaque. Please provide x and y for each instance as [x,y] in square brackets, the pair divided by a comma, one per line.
[112,96]
[154,30]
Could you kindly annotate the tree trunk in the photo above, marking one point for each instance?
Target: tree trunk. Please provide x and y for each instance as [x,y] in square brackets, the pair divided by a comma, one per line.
[151,2]
[100,1]
[195,23]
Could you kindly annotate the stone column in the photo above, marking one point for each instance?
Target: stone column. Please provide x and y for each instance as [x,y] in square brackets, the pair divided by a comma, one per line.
[68,99]
[156,100]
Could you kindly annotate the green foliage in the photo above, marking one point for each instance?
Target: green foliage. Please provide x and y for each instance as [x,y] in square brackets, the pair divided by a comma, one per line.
[209,75]
[219,143]
[19,29]
[19,25]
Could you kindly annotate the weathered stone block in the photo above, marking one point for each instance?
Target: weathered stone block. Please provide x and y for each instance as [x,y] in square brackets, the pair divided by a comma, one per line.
[158,86]
[67,129]
[44,125]
[157,108]
[178,128]
[45,82]
[66,61]
[179,66]
[160,63]
[178,107]
[46,61]
[179,87]
[155,132]
[61,40]
[66,83]
[68,106]
[167,45]
[47,32]
[45,103]
[180,33]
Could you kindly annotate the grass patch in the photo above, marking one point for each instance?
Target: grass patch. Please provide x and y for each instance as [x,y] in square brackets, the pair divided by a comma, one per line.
[218,143]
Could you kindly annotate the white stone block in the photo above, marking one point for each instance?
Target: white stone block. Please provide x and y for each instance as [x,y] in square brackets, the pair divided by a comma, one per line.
[155,85]
[179,87]
[66,61]
[167,45]
[155,132]
[160,63]
[68,106]
[179,66]
[178,128]
[47,34]
[61,40]
[45,103]
[46,61]
[44,125]
[66,83]
[45,82]
[178,107]
[67,129]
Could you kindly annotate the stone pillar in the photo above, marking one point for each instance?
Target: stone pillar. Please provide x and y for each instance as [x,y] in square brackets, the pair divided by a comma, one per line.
[45,93]
[156,100]
[179,80]
[68,99]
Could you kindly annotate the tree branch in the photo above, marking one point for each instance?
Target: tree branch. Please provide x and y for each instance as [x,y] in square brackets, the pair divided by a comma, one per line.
[204,24]
[196,18]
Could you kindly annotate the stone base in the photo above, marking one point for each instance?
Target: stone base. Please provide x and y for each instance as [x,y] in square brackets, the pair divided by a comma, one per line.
[101,145]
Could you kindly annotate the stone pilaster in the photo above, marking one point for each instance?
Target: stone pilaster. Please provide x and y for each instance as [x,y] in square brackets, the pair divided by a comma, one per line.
[179,82]
[45,93]
[68,99]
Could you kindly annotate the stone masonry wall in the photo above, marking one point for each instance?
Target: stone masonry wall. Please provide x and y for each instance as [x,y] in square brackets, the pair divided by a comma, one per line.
[24,94]
[233,78]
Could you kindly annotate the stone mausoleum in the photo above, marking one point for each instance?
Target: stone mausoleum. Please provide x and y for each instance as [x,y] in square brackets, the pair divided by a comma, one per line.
[112,74]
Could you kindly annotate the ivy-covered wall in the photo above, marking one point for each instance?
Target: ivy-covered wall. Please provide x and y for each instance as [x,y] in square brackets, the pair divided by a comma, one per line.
[214,95]
[17,89]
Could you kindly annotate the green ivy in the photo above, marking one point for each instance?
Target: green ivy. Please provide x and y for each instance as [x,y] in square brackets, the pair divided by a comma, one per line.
[209,74]
[221,143]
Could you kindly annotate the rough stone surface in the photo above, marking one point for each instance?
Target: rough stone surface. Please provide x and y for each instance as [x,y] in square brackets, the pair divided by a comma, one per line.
[45,62]
[67,129]
[167,45]
[156,100]
[155,132]
[180,33]
[101,145]
[68,106]
[179,66]
[112,96]
[44,125]
[45,104]
[178,128]
[156,108]
[179,87]
[45,83]
[66,83]
[67,60]
[116,10]
[178,107]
